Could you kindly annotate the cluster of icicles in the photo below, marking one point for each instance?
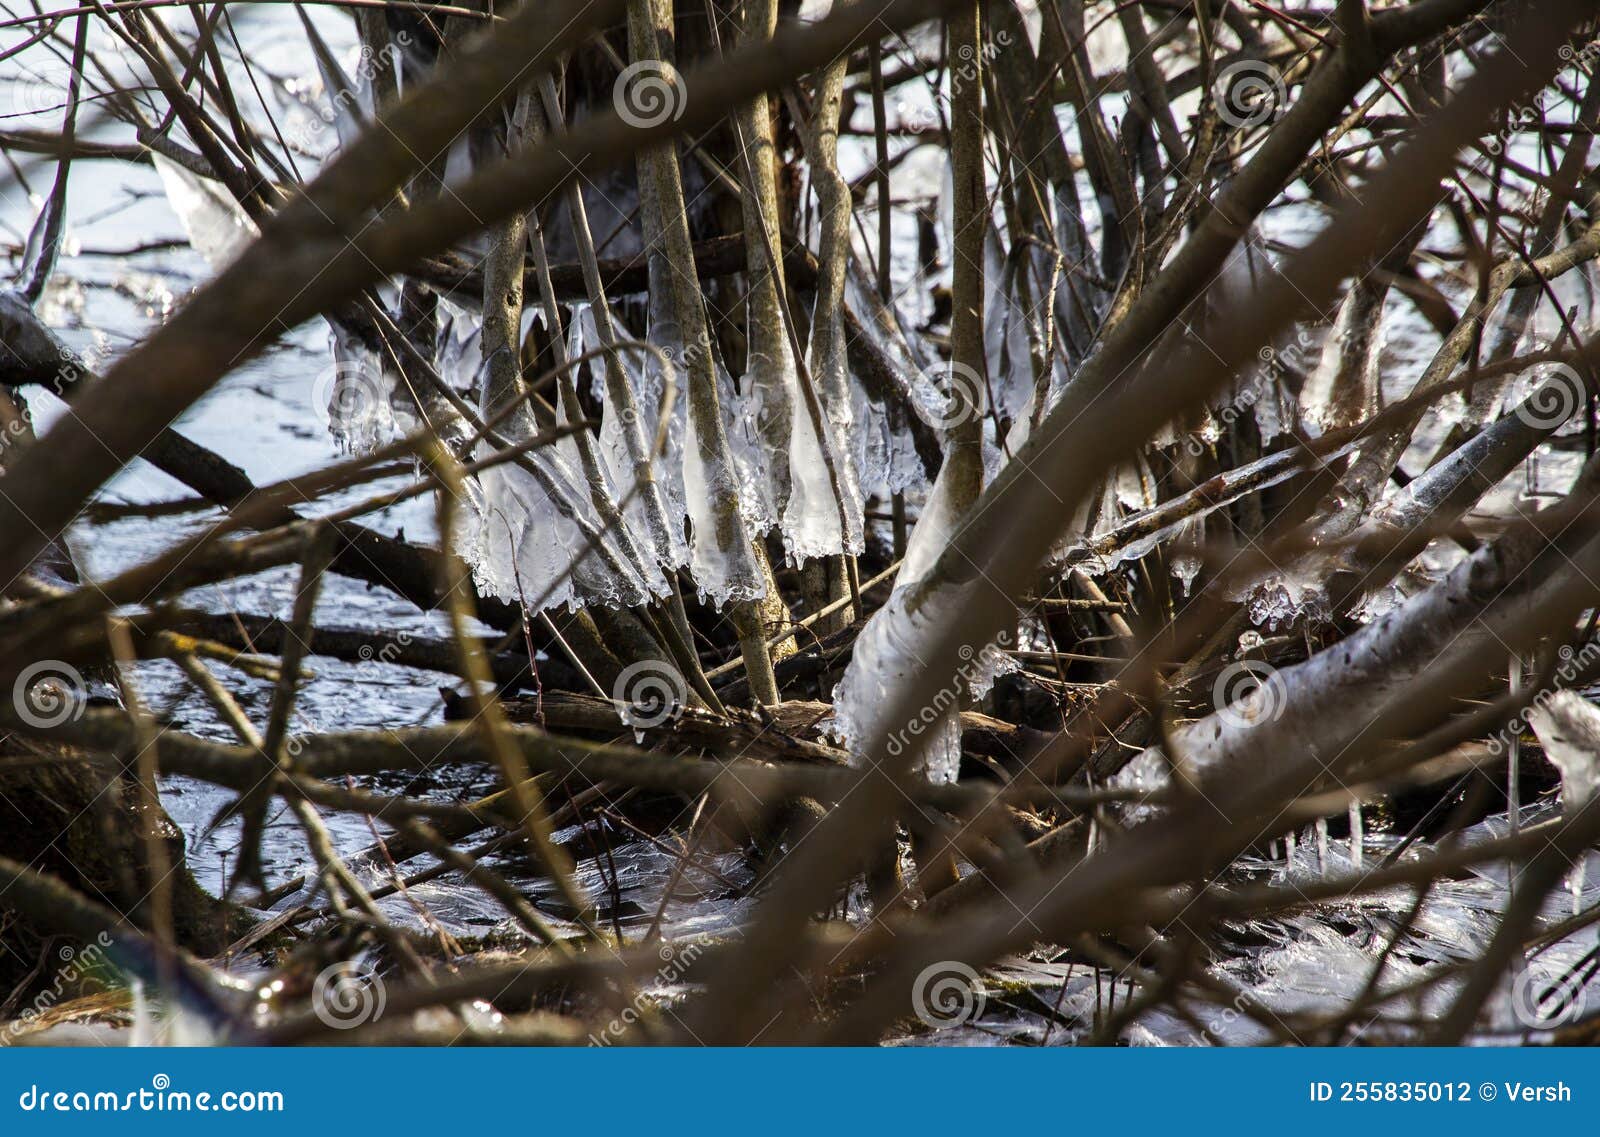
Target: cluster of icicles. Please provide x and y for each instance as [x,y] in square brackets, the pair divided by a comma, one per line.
[542,531]
[544,537]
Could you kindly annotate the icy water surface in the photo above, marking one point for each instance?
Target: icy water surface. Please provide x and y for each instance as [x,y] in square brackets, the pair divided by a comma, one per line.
[269,417]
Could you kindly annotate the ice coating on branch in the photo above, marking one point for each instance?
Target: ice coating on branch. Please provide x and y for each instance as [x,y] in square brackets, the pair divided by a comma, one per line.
[535,536]
[892,646]
[537,533]
[885,449]
[354,395]
[829,428]
[1133,537]
[350,100]
[880,324]
[1006,352]
[746,448]
[823,513]
[653,376]
[722,563]
[620,447]
[211,219]
[366,403]
[1319,410]
[1568,727]
[811,518]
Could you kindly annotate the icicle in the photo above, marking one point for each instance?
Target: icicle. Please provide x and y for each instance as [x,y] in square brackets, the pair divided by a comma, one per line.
[1568,727]
[353,396]
[215,225]
[534,533]
[895,642]
[1318,412]
[1322,845]
[350,100]
[811,516]
[625,445]
[1184,560]
[1358,836]
[721,573]
[757,503]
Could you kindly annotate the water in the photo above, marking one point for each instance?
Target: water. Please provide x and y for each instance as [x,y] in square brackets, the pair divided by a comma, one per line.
[269,417]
